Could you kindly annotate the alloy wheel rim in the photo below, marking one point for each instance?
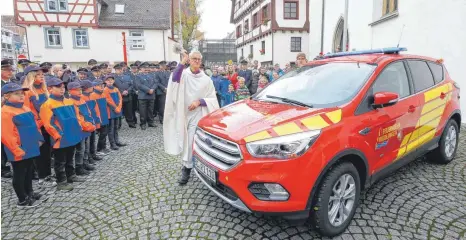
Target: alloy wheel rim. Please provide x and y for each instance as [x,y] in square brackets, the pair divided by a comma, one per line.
[341,201]
[450,142]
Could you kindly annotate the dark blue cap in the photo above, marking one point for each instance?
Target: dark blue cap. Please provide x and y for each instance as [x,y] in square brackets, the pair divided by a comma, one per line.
[82,70]
[118,66]
[85,84]
[29,69]
[95,69]
[144,65]
[12,87]
[24,61]
[92,62]
[53,81]
[45,65]
[97,82]
[109,76]
[74,85]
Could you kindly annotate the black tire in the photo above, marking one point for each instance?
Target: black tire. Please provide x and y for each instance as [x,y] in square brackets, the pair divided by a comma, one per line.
[439,154]
[319,212]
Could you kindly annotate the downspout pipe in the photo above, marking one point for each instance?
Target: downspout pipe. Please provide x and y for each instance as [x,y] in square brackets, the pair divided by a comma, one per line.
[322,28]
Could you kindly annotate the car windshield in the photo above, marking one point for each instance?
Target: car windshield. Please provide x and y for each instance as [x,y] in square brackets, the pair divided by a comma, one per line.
[319,86]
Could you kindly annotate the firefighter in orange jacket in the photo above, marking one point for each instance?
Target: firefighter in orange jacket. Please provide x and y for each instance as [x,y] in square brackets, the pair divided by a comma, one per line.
[22,139]
[35,97]
[81,156]
[65,124]
[99,97]
[88,89]
[114,105]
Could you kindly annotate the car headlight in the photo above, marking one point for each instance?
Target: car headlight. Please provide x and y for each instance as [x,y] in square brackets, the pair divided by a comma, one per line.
[284,147]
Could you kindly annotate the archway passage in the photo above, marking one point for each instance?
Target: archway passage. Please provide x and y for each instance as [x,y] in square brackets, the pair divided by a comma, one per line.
[338,37]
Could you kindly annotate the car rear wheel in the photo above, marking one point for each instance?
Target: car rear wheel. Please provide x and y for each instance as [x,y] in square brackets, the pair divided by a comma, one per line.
[448,144]
[336,200]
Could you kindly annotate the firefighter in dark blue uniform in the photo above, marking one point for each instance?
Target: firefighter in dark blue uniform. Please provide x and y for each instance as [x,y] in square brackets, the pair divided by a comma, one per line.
[163,77]
[155,71]
[23,63]
[96,74]
[146,85]
[124,83]
[134,94]
[46,66]
[90,64]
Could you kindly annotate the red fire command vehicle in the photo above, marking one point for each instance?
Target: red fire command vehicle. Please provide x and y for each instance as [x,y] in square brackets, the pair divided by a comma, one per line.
[311,141]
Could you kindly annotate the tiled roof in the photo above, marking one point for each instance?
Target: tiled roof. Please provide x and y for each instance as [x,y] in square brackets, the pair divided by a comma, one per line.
[144,14]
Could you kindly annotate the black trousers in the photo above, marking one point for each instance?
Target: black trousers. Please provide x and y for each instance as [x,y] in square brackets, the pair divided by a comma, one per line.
[135,106]
[92,138]
[43,162]
[64,163]
[22,177]
[102,142]
[219,99]
[113,131]
[128,110]
[156,106]
[146,108]
[161,102]
[5,168]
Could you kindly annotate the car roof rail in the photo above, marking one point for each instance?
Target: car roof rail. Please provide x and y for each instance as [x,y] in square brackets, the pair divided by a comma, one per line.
[391,50]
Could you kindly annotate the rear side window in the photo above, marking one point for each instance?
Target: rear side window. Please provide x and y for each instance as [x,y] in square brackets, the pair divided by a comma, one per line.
[437,71]
[393,79]
[422,77]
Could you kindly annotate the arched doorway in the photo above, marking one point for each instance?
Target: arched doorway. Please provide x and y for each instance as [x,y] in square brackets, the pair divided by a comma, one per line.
[338,37]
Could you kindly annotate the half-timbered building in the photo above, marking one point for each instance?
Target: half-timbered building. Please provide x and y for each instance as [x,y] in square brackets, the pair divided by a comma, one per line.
[271,31]
[74,31]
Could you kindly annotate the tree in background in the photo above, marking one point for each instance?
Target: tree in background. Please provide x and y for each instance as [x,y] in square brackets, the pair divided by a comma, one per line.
[190,20]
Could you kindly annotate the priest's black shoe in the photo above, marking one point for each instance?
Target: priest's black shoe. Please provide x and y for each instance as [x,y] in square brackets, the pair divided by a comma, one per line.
[120,144]
[185,172]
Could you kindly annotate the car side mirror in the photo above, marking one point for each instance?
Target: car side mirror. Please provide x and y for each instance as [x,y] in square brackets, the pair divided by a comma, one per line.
[384,99]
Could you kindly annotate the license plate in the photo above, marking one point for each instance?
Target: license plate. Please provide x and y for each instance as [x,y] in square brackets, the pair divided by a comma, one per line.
[205,170]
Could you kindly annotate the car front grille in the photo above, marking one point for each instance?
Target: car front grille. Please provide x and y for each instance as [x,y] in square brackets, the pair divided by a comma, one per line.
[219,152]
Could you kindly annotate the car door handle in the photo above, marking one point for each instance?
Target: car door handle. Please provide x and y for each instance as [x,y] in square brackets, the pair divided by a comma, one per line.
[442,95]
[411,109]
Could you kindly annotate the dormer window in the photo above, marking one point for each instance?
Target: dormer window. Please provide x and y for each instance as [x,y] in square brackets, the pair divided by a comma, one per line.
[120,8]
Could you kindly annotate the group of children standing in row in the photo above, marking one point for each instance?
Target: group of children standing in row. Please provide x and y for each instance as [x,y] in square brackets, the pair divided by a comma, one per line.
[38,121]
[228,93]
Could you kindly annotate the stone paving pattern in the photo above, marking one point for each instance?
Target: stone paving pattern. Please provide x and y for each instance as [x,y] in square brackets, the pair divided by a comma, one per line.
[134,194]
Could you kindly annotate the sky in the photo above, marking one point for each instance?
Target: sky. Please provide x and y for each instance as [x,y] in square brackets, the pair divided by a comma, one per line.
[215,18]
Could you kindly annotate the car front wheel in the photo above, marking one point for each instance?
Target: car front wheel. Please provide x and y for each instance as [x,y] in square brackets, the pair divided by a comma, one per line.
[336,200]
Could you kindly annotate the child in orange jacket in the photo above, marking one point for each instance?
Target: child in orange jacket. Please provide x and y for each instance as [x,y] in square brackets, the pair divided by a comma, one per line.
[88,89]
[99,97]
[114,104]
[22,139]
[81,156]
[35,97]
[63,121]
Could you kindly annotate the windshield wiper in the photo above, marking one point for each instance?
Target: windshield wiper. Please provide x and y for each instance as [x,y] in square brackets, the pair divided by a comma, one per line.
[287,100]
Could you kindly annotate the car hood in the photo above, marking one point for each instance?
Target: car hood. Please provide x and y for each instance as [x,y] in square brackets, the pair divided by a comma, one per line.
[251,120]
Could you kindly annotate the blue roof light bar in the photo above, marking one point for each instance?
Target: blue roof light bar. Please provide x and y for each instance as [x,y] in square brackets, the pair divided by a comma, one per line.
[391,50]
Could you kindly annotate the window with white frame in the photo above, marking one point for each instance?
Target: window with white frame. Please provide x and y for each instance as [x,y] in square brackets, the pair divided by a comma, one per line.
[81,38]
[56,5]
[295,44]
[136,40]
[52,37]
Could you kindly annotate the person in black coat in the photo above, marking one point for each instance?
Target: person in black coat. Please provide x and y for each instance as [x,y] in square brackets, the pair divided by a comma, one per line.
[246,74]
[134,94]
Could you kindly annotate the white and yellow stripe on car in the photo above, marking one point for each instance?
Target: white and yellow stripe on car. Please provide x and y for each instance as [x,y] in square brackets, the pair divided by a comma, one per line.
[429,121]
[314,122]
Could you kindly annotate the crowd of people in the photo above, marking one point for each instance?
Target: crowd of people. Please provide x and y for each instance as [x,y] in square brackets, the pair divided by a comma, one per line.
[55,118]
[234,84]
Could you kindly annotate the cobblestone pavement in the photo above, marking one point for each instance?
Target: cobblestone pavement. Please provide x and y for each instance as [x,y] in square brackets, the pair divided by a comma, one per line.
[134,195]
